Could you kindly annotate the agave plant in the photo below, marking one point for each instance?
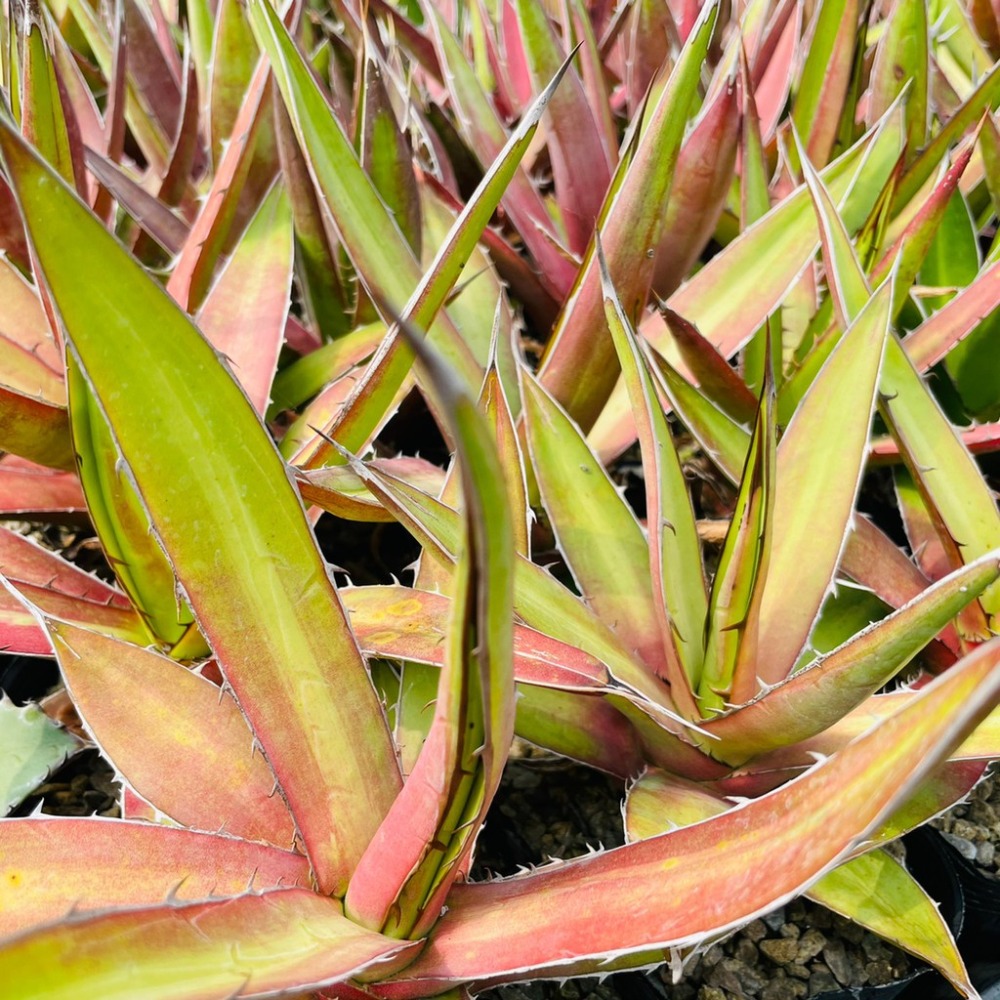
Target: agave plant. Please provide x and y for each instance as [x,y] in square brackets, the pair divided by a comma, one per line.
[295,819]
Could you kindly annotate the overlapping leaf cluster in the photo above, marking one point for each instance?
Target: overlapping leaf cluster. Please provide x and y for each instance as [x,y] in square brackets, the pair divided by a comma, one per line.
[754,254]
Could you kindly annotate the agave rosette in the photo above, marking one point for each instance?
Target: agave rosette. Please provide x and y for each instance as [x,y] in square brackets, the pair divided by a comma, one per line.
[295,818]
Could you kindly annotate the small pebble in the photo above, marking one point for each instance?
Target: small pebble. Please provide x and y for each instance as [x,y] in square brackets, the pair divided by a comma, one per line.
[782,951]
[810,945]
[964,847]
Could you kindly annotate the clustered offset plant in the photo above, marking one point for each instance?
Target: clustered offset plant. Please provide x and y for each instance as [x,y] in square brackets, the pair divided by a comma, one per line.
[225,225]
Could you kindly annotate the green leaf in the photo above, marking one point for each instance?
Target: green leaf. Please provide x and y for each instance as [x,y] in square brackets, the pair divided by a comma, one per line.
[733,623]
[680,604]
[597,531]
[228,519]
[814,504]
[902,63]
[31,747]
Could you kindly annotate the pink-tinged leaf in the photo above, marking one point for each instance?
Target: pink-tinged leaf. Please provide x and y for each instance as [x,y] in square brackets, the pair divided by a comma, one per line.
[323,295]
[596,530]
[426,840]
[680,603]
[901,60]
[192,275]
[486,136]
[912,245]
[251,945]
[140,91]
[581,727]
[820,462]
[21,633]
[157,84]
[944,470]
[54,867]
[244,313]
[277,626]
[773,78]
[149,212]
[574,136]
[179,741]
[873,560]
[873,890]
[933,550]
[814,698]
[932,340]
[339,490]
[577,24]
[28,489]
[980,439]
[186,149]
[759,267]
[702,179]
[579,368]
[114,126]
[404,624]
[649,42]
[24,561]
[513,58]
[503,931]
[825,77]
[710,371]
[32,360]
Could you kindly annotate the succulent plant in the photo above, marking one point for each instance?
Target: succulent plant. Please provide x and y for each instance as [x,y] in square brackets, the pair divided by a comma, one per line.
[228,231]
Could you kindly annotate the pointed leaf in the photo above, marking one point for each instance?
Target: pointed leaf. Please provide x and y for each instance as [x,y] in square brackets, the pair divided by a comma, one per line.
[758,268]
[733,622]
[244,313]
[680,603]
[502,930]
[816,697]
[403,624]
[179,741]
[825,76]
[597,532]
[277,626]
[430,837]
[578,368]
[254,945]
[873,890]
[942,466]
[804,554]
[46,877]
[574,137]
